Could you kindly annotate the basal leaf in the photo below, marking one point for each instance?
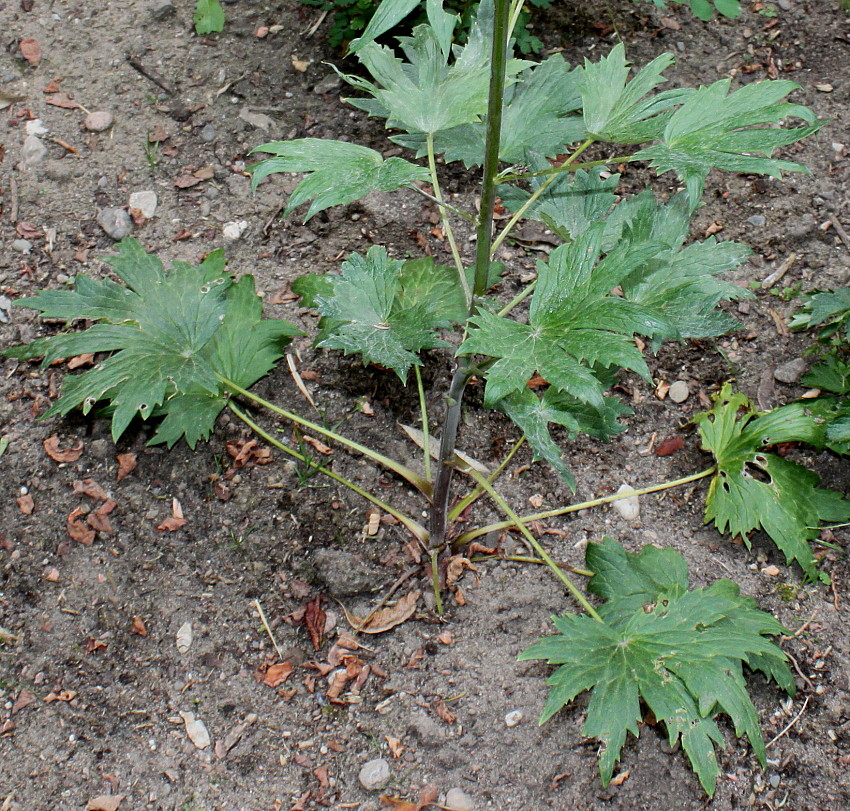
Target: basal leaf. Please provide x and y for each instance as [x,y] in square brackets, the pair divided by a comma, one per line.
[173,335]
[340,172]
[208,17]
[680,652]
[756,489]
[715,129]
[366,317]
[617,110]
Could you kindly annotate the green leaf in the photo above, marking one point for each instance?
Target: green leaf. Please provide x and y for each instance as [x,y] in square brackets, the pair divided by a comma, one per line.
[830,373]
[173,334]
[340,172]
[209,17]
[573,321]
[388,15]
[310,286]
[830,310]
[616,110]
[756,489]
[435,288]
[365,314]
[680,652]
[715,130]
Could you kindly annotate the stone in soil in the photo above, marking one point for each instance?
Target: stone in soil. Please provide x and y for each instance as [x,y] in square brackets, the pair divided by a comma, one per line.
[144,201]
[234,230]
[513,718]
[629,508]
[33,152]
[374,775]
[208,133]
[22,246]
[98,121]
[679,391]
[458,800]
[115,222]
[791,371]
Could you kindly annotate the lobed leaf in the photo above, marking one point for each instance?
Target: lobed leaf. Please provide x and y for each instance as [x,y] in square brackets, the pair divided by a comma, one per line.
[208,17]
[339,172]
[680,652]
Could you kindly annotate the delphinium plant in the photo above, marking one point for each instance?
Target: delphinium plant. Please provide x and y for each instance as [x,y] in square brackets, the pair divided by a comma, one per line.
[189,342]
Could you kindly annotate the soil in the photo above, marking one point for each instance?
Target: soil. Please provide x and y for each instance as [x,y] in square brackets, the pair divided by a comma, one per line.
[92,681]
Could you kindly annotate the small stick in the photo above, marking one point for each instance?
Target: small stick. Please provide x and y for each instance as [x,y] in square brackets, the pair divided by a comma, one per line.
[13,205]
[268,630]
[774,277]
[315,26]
[839,229]
[66,146]
[149,74]
[800,673]
[290,362]
[789,724]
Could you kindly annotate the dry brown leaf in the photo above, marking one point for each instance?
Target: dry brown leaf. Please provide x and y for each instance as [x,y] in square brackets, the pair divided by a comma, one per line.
[442,710]
[90,488]
[321,774]
[397,804]
[51,574]
[176,520]
[92,644]
[620,778]
[456,566]
[386,618]
[446,638]
[233,737]
[139,628]
[196,730]
[314,619]
[52,86]
[62,100]
[24,699]
[183,639]
[62,695]
[186,181]
[479,548]
[78,530]
[105,802]
[25,504]
[669,446]
[98,520]
[58,454]
[157,135]
[204,173]
[86,359]
[395,745]
[318,445]
[30,51]
[277,674]
[126,465]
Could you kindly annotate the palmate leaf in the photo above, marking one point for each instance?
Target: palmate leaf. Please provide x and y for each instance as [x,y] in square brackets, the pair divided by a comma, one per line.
[340,172]
[715,129]
[756,489]
[366,315]
[829,310]
[680,652]
[173,334]
[617,110]
[573,322]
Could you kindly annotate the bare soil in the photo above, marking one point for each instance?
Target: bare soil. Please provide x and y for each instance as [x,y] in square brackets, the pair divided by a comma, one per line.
[92,682]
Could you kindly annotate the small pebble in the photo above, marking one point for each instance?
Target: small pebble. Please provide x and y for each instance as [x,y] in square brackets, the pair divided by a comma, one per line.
[162,11]
[32,152]
[458,800]
[115,222]
[234,230]
[679,391]
[22,246]
[144,201]
[36,127]
[629,508]
[757,219]
[791,371]
[374,775]
[98,121]
[513,718]
[774,780]
[208,133]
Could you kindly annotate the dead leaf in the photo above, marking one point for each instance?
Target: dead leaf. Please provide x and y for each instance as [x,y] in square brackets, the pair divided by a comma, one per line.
[480,549]
[62,100]
[395,745]
[186,181]
[98,519]
[318,445]
[105,802]
[25,504]
[277,674]
[247,453]
[31,51]
[300,65]
[51,574]
[139,628]
[24,699]
[176,520]
[7,727]
[90,488]
[321,774]
[86,359]
[78,530]
[427,796]
[672,23]
[314,619]
[442,710]
[158,134]
[52,86]
[456,566]
[57,454]
[446,638]
[374,523]
[713,228]
[184,637]
[196,730]
[233,737]
[62,695]
[669,446]
[620,778]
[92,645]
[205,173]
[126,465]
[386,618]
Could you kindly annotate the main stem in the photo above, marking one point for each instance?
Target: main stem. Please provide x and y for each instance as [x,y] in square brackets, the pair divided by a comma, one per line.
[463,372]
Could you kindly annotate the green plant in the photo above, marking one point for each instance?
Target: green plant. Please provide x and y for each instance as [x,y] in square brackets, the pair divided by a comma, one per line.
[191,341]
[208,17]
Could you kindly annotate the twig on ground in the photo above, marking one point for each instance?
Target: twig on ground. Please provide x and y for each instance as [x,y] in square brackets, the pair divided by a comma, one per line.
[267,628]
[774,277]
[790,724]
[839,229]
[290,362]
[149,74]
[13,204]
[800,673]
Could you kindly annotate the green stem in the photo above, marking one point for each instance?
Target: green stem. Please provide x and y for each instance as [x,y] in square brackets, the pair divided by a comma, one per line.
[515,520]
[584,505]
[423,485]
[520,297]
[423,410]
[418,531]
[477,492]
[533,199]
[529,559]
[448,206]
[435,580]
[516,10]
[564,167]
[447,226]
